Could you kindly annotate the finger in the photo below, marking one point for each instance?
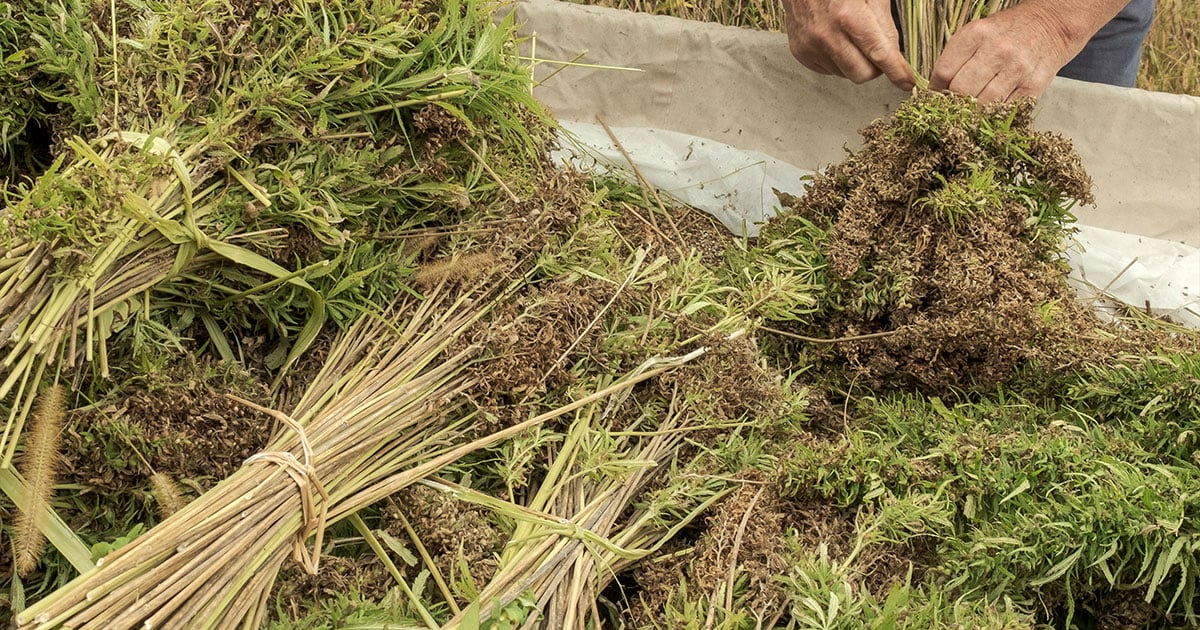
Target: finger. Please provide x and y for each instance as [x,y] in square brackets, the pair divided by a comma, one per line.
[817,66]
[895,68]
[810,54]
[1000,88]
[1025,90]
[822,64]
[1034,84]
[973,79]
[946,67]
[852,63]
[882,49]
[965,74]
[806,48]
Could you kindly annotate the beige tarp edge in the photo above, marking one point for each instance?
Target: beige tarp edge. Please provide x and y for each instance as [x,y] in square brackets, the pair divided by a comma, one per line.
[742,88]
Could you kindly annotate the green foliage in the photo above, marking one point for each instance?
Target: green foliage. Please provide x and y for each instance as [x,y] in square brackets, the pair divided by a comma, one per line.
[101,549]
[962,197]
[825,591]
[996,158]
[783,274]
[1052,499]
[344,610]
[48,65]
[827,597]
[514,615]
[1163,387]
[692,611]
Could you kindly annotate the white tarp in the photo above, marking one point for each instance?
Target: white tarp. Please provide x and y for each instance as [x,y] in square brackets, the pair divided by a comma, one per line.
[718,116]
[734,185]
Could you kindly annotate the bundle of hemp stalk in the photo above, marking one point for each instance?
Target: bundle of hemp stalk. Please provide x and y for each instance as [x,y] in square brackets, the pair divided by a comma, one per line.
[590,499]
[926,26]
[87,243]
[602,506]
[382,414]
[383,403]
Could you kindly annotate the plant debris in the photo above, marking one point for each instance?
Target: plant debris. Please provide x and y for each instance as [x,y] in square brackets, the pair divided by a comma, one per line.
[937,248]
[340,347]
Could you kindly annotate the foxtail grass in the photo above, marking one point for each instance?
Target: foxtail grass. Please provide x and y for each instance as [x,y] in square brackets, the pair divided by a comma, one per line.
[54,528]
[39,467]
[167,493]
[457,269]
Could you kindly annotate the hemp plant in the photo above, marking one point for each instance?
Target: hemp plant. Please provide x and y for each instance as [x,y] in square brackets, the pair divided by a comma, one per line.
[941,235]
[926,26]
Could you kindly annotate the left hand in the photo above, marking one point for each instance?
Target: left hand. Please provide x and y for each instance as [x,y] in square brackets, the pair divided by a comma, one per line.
[1010,54]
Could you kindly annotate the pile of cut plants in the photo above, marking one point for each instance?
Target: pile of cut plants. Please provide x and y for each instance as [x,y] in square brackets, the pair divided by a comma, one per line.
[302,328]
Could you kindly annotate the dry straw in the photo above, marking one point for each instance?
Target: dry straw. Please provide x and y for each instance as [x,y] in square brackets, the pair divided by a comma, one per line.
[591,517]
[381,415]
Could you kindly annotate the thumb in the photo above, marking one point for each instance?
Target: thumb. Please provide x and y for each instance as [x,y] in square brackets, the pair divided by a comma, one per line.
[895,67]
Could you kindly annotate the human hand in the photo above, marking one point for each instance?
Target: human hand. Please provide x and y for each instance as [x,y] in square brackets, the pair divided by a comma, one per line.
[1009,54]
[855,39]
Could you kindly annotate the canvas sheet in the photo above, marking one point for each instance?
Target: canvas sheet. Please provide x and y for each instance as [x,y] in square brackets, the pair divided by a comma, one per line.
[718,117]
[742,88]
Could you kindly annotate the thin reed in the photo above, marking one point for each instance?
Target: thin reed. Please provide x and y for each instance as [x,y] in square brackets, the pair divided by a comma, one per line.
[926,26]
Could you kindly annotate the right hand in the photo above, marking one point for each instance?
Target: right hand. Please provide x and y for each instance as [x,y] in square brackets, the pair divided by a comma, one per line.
[855,39]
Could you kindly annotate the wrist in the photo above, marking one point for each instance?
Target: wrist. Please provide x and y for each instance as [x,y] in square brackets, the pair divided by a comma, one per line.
[1069,24]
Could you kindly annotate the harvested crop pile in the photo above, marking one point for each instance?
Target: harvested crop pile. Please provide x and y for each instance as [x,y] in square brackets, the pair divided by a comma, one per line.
[254,170]
[334,345]
[937,248]
[969,417]
[242,183]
